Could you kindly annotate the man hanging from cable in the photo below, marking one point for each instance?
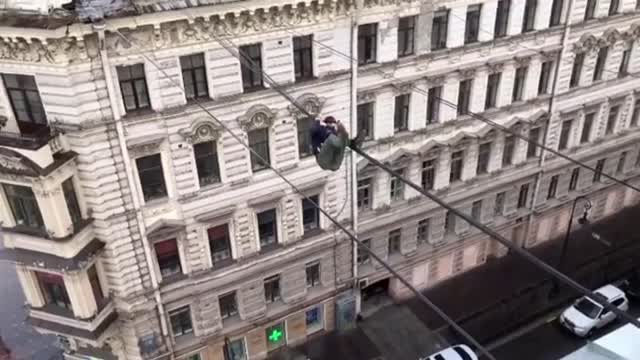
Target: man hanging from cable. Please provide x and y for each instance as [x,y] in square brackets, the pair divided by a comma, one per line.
[329,140]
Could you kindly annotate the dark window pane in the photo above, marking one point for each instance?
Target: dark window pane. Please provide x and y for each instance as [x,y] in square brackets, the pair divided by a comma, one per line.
[24,206]
[464,96]
[72,202]
[573,183]
[194,76]
[545,76]
[259,143]
[502,18]
[484,154]
[25,101]
[310,214]
[151,177]
[493,84]
[272,289]
[228,305]
[304,137]
[365,120]
[590,9]
[556,12]
[364,194]
[313,274]
[433,104]
[565,132]
[367,43]
[439,30]
[168,257]
[532,148]
[528,22]
[401,115]
[133,86]
[219,243]
[508,149]
[472,26]
[251,67]
[576,70]
[267,227]
[54,290]
[96,288]
[428,174]
[601,61]
[457,159]
[519,83]
[406,33]
[586,128]
[206,156]
[181,321]
[303,57]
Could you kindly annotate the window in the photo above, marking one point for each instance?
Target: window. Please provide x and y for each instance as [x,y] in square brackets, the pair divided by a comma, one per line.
[590,10]
[637,164]
[72,202]
[523,196]
[518,83]
[133,86]
[396,186]
[508,149]
[464,96]
[194,76]
[235,350]
[586,128]
[532,148]
[364,194]
[304,138]
[598,173]
[635,117]
[251,67]
[600,63]
[302,57]
[433,104]
[168,257]
[24,97]
[365,120]
[449,223]
[565,131]
[313,274]
[457,159]
[472,26]
[498,207]
[428,174]
[439,30]
[529,19]
[614,6]
[24,206]
[363,254]
[228,305]
[556,12]
[612,119]
[96,288]
[502,18]
[151,177]
[545,76]
[219,243]
[553,187]
[367,39]
[206,154]
[53,290]
[621,162]
[395,236]
[624,64]
[401,115]
[493,83]
[484,154]
[573,182]
[181,321]
[194,357]
[637,4]
[267,228]
[476,210]
[313,319]
[276,336]
[272,289]
[310,214]
[406,34]
[259,143]
[576,70]
[423,231]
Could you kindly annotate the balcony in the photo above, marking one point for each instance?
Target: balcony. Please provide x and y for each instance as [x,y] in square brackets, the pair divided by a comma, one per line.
[51,319]
[31,140]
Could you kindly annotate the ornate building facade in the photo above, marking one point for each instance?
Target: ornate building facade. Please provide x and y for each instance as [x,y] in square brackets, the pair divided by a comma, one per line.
[141,228]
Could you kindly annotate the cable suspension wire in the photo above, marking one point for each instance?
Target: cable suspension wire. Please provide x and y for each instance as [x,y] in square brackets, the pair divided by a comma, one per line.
[482,118]
[493,234]
[334,221]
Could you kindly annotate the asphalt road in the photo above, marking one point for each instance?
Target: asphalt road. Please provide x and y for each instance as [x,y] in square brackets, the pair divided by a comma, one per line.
[547,340]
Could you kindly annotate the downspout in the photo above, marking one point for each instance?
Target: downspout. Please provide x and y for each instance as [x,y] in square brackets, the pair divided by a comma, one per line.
[354,133]
[554,88]
[98,28]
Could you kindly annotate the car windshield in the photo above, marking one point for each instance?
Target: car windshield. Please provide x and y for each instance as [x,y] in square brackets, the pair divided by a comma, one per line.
[588,308]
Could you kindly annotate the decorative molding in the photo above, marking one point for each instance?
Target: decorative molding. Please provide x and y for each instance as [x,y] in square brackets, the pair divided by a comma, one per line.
[258,116]
[366,97]
[402,88]
[522,61]
[493,68]
[201,130]
[610,37]
[146,146]
[52,51]
[436,80]
[310,102]
[466,73]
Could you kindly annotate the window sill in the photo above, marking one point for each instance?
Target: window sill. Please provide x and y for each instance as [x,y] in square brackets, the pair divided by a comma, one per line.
[156,201]
[264,249]
[139,113]
[253,90]
[172,279]
[221,264]
[303,80]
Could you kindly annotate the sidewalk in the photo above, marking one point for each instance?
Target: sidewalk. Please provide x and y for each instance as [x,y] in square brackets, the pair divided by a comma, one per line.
[503,294]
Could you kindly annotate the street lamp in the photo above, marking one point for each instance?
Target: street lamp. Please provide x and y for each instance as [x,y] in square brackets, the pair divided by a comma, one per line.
[565,244]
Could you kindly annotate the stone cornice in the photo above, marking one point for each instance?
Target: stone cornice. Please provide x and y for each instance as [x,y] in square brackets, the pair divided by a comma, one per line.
[589,43]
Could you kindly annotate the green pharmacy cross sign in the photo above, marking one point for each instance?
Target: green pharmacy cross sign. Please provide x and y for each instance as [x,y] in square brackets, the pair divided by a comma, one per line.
[275,335]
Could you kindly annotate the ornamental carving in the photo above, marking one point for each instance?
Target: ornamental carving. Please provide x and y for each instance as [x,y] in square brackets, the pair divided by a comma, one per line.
[258,116]
[587,43]
[12,162]
[146,147]
[610,37]
[403,88]
[46,51]
[522,61]
[494,68]
[311,103]
[366,97]
[201,131]
[436,80]
[466,73]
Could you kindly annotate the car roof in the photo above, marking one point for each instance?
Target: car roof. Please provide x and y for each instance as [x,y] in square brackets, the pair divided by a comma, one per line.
[450,354]
[609,291]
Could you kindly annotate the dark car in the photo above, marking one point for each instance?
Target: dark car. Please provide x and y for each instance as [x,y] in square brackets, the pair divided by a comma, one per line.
[631,286]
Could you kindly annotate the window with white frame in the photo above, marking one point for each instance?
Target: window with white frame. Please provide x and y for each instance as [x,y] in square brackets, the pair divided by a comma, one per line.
[395,239]
[24,206]
[272,289]
[133,86]
[181,323]
[457,160]
[428,174]
[26,104]
[259,143]
[267,227]
[396,186]
[423,231]
[585,137]
[364,194]
[194,76]
[206,155]
[151,177]
[219,244]
[235,350]
[310,214]
[312,271]
[168,257]
[228,305]
[484,154]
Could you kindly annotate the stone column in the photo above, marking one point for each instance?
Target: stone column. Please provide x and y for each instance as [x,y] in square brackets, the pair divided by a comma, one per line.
[30,286]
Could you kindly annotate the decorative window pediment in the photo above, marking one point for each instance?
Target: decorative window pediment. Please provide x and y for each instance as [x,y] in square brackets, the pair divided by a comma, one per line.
[200,131]
[366,97]
[436,80]
[145,146]
[12,162]
[258,116]
[464,74]
[587,43]
[402,88]
[311,104]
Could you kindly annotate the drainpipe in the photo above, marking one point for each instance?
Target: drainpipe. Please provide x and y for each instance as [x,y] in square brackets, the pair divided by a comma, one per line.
[354,133]
[554,88]
[98,28]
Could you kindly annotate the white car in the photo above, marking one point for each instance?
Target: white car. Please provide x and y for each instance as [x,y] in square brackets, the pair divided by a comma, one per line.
[456,352]
[585,314]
